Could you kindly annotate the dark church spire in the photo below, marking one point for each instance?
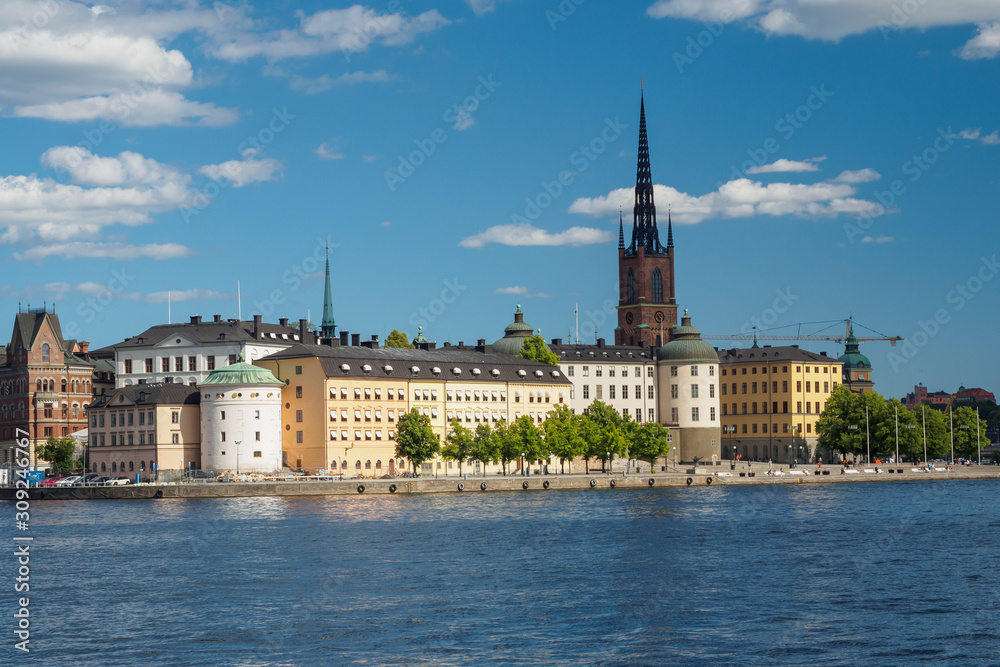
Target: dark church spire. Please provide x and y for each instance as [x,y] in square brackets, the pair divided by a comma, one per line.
[329,325]
[644,230]
[621,231]
[670,231]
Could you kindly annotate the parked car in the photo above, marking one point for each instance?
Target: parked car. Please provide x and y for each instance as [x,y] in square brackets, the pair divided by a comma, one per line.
[69,481]
[88,479]
[51,481]
[119,481]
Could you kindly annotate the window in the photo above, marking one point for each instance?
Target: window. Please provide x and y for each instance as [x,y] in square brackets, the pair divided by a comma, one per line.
[724,411]
[744,387]
[298,392]
[630,287]
[178,364]
[798,407]
[298,370]
[257,454]
[724,389]
[114,418]
[599,388]
[175,438]
[45,351]
[298,437]
[222,415]
[298,415]
[711,391]
[165,364]
[223,436]
[753,388]
[657,286]
[652,415]
[569,371]
[210,359]
[673,371]
[774,387]
[784,407]
[611,371]
[175,417]
[586,371]
[711,371]
[753,408]
[694,371]
[826,387]
[753,428]
[586,391]
[745,430]
[694,414]
[798,385]
[763,428]
[611,391]
[131,417]
[142,418]
[649,393]
[232,358]
[598,371]
[744,406]
[192,363]
[149,365]
[128,365]
[673,415]
[694,391]
[673,391]
[100,420]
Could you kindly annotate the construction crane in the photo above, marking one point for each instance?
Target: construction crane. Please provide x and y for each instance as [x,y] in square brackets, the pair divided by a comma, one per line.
[800,336]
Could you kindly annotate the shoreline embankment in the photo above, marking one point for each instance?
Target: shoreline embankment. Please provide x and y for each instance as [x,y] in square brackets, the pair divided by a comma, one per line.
[470,484]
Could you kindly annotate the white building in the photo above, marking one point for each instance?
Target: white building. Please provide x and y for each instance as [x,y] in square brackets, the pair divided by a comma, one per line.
[624,377]
[241,420]
[186,353]
[689,394]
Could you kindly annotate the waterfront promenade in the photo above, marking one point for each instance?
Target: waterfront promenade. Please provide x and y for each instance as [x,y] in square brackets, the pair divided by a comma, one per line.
[703,477]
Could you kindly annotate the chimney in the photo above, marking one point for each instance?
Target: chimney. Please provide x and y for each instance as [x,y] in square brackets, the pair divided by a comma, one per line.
[600,342]
[461,343]
[557,341]
[374,341]
[303,330]
[330,342]
[196,319]
[481,342]
[821,353]
[217,318]
[355,340]
[283,321]
[446,344]
[257,321]
[343,338]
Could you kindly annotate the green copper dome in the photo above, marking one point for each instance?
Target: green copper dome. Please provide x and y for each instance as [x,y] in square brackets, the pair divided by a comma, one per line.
[240,373]
[852,356]
[514,335]
[687,345]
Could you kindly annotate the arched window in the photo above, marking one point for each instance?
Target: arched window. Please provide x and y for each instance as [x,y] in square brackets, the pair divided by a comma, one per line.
[103,469]
[114,467]
[378,464]
[657,286]
[630,288]
[343,464]
[357,464]
[64,385]
[151,466]
[38,385]
[368,464]
[45,351]
[131,466]
[142,466]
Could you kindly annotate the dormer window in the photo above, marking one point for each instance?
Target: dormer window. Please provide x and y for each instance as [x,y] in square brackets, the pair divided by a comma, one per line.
[476,372]
[521,373]
[495,372]
[345,368]
[456,371]
[367,369]
[436,370]
[538,374]
[388,369]
[415,369]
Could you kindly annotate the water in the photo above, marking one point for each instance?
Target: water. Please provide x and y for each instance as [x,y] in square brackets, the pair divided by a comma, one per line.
[837,574]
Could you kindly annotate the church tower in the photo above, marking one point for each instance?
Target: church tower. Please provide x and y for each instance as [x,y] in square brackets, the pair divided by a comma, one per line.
[329,325]
[647,308]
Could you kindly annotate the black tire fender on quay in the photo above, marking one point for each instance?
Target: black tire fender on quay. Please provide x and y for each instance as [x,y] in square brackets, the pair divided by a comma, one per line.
[652,482]
[708,480]
[461,486]
[361,488]
[392,488]
[689,480]
[483,486]
[614,483]
[545,484]
[593,483]
[524,485]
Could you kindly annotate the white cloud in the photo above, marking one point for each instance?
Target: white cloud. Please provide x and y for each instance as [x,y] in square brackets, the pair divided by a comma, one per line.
[880,239]
[986,44]
[860,176]
[57,291]
[741,198]
[511,290]
[117,251]
[463,120]
[833,20]
[348,30]
[386,224]
[324,83]
[524,234]
[152,108]
[976,134]
[784,165]
[369,158]
[127,169]
[328,151]
[244,172]
[196,294]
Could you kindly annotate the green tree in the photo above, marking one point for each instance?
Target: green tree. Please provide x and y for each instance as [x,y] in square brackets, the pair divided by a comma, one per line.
[485,446]
[507,444]
[527,439]
[534,349]
[398,338]
[415,439]
[909,436]
[649,443]
[966,423]
[458,445]
[843,411]
[936,432]
[58,452]
[564,435]
[607,434]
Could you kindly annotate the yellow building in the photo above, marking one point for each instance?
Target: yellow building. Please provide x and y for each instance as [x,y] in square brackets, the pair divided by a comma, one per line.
[771,399]
[341,403]
[145,429]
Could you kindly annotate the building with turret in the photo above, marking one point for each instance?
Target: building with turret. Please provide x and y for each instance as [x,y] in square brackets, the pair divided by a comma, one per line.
[647,308]
[857,367]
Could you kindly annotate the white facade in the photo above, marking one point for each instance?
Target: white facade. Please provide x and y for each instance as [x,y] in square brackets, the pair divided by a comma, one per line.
[690,394]
[623,377]
[241,428]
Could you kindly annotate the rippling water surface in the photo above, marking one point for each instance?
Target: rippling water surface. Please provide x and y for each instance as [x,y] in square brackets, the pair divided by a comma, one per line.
[837,574]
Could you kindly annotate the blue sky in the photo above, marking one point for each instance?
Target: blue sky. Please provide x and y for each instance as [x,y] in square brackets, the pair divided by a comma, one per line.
[820,161]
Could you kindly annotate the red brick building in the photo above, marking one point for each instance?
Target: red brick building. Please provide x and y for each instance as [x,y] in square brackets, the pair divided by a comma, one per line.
[45,384]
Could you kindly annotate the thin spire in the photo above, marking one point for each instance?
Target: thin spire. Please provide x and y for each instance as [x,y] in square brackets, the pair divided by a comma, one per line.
[329,325]
[621,231]
[670,230]
[644,230]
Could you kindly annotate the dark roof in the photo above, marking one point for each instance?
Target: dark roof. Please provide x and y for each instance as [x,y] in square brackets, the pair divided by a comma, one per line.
[402,360]
[768,353]
[211,332]
[30,324]
[569,353]
[152,394]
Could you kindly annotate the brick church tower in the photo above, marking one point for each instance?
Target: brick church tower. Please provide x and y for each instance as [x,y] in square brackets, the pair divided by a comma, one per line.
[647,308]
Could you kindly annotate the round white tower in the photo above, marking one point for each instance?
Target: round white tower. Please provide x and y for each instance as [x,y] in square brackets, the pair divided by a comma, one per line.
[241,420]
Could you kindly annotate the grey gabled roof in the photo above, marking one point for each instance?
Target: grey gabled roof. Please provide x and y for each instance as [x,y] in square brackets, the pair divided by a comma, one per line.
[211,332]
[161,393]
[403,361]
[602,353]
[770,354]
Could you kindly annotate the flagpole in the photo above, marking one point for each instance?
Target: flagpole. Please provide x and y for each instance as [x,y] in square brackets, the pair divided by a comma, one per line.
[168,308]
[576,315]
[239,302]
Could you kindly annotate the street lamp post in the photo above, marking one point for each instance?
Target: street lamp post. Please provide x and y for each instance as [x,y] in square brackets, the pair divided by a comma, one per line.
[923,421]
[790,464]
[979,451]
[951,422]
[868,436]
[238,456]
[852,427]
[895,411]
[608,459]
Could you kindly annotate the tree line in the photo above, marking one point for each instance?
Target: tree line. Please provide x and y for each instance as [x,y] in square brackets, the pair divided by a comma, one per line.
[600,432]
[842,428]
